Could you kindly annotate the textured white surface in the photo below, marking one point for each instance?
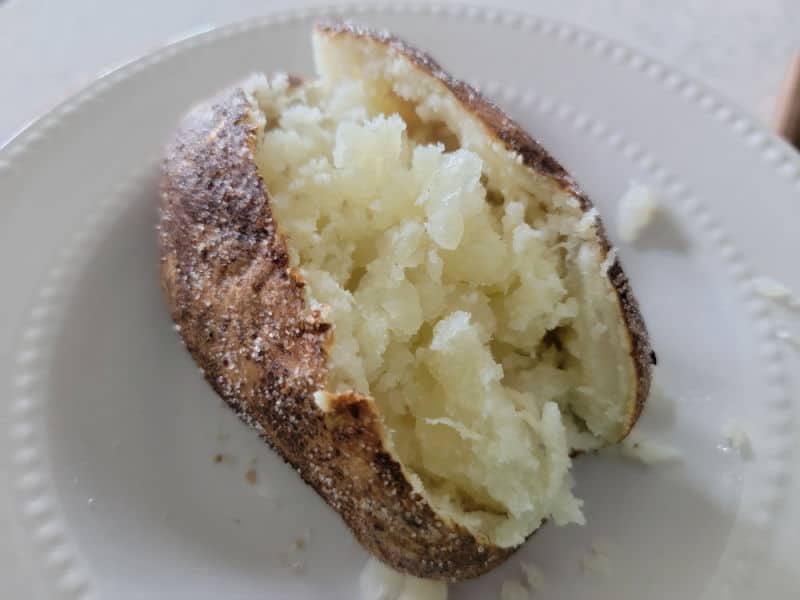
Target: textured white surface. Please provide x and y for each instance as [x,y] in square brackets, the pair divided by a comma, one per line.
[741,47]
[137,436]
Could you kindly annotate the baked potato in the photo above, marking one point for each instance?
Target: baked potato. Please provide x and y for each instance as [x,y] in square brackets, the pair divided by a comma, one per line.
[409,299]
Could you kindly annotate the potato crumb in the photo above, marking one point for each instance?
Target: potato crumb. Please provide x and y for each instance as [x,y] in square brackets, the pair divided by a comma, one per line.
[302,541]
[270,496]
[786,336]
[513,590]
[738,439]
[222,457]
[771,288]
[251,476]
[534,575]
[296,565]
[379,582]
[648,452]
[293,557]
[596,559]
[635,211]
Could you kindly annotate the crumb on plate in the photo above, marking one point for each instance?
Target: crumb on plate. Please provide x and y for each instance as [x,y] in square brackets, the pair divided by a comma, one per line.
[379,582]
[738,439]
[647,451]
[513,590]
[596,559]
[222,457]
[786,336]
[773,289]
[635,211]
[534,575]
[251,476]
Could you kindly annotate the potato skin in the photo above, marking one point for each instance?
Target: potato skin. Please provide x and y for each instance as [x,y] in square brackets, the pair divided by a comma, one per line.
[241,312]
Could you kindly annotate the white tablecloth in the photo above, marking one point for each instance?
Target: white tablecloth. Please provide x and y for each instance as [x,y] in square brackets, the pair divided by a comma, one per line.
[50,50]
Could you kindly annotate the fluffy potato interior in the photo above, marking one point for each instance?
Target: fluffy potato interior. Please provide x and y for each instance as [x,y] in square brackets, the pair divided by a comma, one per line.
[465,290]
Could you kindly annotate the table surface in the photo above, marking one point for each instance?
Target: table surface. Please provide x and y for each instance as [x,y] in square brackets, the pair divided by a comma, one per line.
[741,47]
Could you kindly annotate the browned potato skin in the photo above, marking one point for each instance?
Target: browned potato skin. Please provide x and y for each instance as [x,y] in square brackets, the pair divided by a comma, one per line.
[241,312]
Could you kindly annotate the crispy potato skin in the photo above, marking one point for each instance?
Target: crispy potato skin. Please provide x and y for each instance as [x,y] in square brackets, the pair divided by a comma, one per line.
[241,312]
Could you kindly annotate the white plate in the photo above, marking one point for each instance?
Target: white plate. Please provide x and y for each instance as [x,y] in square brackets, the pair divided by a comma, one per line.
[112,488]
